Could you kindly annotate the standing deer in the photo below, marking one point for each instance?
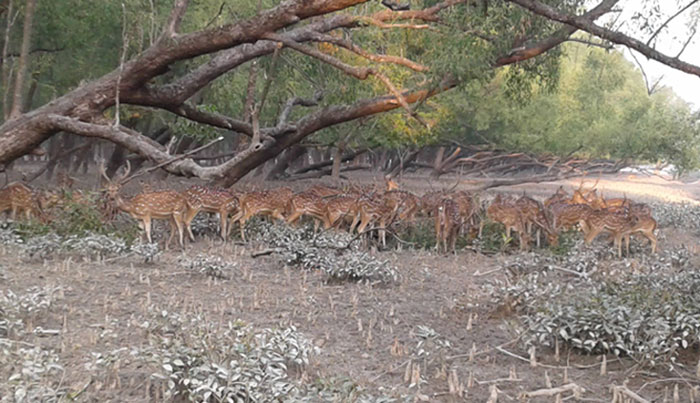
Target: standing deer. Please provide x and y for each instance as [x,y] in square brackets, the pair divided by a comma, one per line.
[164,205]
[201,198]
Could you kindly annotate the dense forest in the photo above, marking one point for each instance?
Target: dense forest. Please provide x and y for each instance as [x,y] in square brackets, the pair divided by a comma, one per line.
[164,81]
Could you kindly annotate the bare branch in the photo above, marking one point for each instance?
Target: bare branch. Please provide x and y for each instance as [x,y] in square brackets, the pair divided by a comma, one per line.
[191,112]
[282,120]
[349,45]
[658,30]
[651,87]
[554,40]
[610,35]
[361,73]
[175,18]
[605,46]
[687,42]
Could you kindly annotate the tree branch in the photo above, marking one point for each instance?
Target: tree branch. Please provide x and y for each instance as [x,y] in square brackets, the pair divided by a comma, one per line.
[555,39]
[349,45]
[282,120]
[175,18]
[658,30]
[613,36]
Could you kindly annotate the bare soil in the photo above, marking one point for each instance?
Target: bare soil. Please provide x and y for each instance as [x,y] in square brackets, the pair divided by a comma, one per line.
[366,333]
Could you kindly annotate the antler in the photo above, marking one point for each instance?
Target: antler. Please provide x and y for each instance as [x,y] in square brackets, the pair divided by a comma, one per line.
[102,170]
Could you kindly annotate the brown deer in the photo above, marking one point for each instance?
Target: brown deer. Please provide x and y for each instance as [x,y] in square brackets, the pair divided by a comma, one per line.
[372,210]
[566,215]
[210,200]
[617,223]
[308,203]
[265,202]
[448,223]
[144,207]
[341,209]
[534,215]
[507,213]
[19,198]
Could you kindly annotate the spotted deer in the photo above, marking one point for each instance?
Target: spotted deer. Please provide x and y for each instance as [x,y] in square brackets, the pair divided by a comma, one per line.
[210,200]
[266,202]
[507,213]
[535,216]
[617,223]
[448,223]
[19,198]
[308,203]
[373,211]
[144,207]
[341,209]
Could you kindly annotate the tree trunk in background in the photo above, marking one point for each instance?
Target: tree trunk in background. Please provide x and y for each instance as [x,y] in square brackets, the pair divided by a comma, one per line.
[438,158]
[22,62]
[288,156]
[337,160]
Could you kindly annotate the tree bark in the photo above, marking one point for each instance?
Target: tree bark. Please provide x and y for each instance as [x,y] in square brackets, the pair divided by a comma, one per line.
[22,62]
[289,156]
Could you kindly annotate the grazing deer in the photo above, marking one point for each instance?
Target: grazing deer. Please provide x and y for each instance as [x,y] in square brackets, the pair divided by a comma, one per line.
[210,200]
[308,203]
[371,211]
[144,207]
[341,209]
[566,215]
[505,212]
[267,202]
[644,224]
[20,198]
[534,215]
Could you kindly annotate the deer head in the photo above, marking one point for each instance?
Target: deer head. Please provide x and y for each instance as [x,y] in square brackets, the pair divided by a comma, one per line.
[112,185]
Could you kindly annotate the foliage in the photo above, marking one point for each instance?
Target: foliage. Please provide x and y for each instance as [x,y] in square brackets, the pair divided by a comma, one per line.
[202,361]
[649,317]
[77,219]
[336,253]
[31,373]
[85,244]
[212,266]
[599,108]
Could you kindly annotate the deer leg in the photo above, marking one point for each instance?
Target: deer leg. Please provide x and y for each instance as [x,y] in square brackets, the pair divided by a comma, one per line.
[147,228]
[438,228]
[293,217]
[189,216]
[180,230]
[590,236]
[382,232]
[358,217]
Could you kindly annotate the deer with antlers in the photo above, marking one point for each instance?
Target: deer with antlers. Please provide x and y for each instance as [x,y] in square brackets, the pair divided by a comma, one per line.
[144,207]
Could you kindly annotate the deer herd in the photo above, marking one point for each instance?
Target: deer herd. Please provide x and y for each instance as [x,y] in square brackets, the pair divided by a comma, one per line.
[361,209]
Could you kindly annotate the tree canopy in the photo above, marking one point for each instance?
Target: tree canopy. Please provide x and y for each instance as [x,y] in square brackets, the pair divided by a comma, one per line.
[267,75]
